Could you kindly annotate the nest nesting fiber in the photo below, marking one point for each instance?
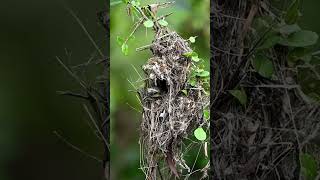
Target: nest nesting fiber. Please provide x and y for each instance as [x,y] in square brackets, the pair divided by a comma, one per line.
[265,139]
[169,115]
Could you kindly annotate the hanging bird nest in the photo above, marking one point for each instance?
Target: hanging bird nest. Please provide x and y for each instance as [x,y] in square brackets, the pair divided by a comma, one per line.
[172,108]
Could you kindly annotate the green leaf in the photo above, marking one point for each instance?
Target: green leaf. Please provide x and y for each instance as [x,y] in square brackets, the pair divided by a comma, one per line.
[120,40]
[300,54]
[206,114]
[263,66]
[125,1]
[190,54]
[185,92]
[270,42]
[200,134]
[148,23]
[240,95]
[289,29]
[309,166]
[195,58]
[135,3]
[192,39]
[293,13]
[163,22]
[261,24]
[113,3]
[203,74]
[300,39]
[199,70]
[192,82]
[125,49]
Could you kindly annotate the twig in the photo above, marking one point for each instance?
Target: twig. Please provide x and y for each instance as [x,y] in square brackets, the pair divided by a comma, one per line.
[76,148]
[164,16]
[144,47]
[69,93]
[134,30]
[85,30]
[96,126]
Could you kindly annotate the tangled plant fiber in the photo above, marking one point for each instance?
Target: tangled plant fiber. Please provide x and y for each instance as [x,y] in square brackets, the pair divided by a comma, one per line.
[264,139]
[169,115]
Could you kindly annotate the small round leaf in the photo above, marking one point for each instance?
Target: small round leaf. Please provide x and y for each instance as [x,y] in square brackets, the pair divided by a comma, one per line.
[195,58]
[192,39]
[200,134]
[163,22]
[148,23]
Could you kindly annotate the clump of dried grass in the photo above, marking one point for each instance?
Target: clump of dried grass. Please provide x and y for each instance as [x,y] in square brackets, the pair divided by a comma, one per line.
[169,115]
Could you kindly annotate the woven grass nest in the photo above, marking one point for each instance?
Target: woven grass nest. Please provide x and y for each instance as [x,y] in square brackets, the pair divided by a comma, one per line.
[169,115]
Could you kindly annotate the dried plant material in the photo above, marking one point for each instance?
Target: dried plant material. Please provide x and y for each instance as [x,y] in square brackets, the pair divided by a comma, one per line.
[262,140]
[176,110]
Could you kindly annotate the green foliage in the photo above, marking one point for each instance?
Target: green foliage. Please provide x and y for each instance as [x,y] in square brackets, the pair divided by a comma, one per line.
[299,43]
[163,22]
[271,40]
[300,39]
[148,23]
[200,134]
[125,49]
[192,82]
[300,53]
[120,40]
[135,3]
[122,98]
[290,36]
[198,74]
[185,92]
[240,95]
[206,114]
[263,66]
[190,54]
[195,58]
[203,74]
[309,166]
[192,39]
[289,29]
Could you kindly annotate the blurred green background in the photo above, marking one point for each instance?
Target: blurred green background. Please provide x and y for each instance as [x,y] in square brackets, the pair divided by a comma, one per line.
[32,33]
[189,18]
